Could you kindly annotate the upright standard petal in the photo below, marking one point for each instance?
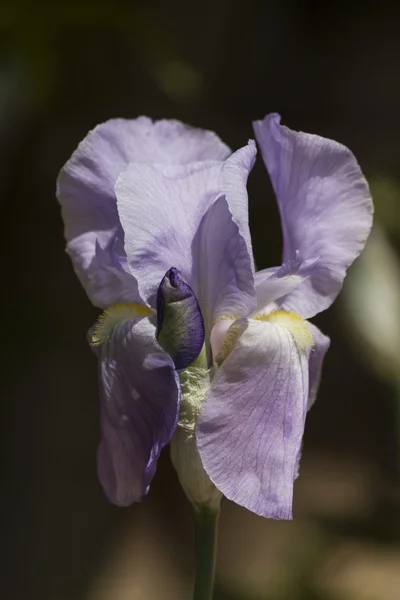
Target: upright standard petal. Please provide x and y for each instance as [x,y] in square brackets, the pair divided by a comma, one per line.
[252,421]
[222,270]
[325,206]
[160,214]
[85,185]
[234,184]
[161,209]
[85,189]
[140,397]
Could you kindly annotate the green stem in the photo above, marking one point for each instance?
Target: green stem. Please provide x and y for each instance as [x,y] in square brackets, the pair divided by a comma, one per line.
[206,527]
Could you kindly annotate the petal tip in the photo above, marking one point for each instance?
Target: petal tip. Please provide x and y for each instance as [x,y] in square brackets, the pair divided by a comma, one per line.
[269,118]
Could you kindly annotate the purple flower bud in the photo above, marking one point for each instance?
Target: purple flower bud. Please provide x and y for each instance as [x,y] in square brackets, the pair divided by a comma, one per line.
[179,320]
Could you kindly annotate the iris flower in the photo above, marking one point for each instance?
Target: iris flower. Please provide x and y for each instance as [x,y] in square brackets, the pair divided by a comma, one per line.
[156,222]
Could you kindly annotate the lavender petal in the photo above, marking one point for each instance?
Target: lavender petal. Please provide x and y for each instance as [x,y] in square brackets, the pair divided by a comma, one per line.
[252,421]
[140,397]
[325,206]
[161,210]
[223,275]
[316,359]
[274,284]
[85,189]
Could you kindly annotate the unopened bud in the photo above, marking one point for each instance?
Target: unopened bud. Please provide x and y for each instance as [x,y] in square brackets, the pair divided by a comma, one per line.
[179,320]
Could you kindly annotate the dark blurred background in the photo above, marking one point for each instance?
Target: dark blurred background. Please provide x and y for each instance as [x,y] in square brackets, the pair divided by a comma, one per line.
[328,68]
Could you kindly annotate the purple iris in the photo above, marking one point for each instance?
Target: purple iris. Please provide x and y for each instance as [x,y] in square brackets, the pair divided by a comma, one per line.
[156,215]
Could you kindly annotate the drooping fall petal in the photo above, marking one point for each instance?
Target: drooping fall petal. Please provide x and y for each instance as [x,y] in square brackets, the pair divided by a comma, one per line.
[252,421]
[316,360]
[140,397]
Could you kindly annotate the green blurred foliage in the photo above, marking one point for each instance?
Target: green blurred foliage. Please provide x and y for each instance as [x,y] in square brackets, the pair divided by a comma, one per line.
[31,36]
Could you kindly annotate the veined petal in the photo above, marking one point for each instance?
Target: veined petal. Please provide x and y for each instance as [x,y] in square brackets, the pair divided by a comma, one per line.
[277,282]
[252,421]
[316,356]
[234,184]
[161,210]
[171,142]
[316,359]
[100,265]
[85,185]
[325,206]
[140,397]
[223,275]
[85,189]
[161,215]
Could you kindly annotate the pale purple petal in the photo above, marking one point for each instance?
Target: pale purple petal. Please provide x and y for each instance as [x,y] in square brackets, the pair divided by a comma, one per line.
[172,142]
[316,356]
[316,359]
[325,206]
[161,210]
[277,282]
[234,184]
[86,183]
[101,266]
[223,276]
[85,189]
[140,396]
[252,421]
[160,216]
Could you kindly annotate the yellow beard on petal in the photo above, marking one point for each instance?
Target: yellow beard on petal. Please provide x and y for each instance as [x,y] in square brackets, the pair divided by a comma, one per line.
[230,340]
[293,323]
[114,315]
[222,338]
